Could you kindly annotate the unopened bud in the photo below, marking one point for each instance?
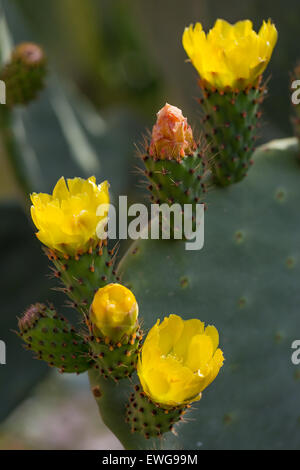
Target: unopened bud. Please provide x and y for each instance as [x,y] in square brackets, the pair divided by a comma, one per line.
[114,312]
[172,137]
[24,75]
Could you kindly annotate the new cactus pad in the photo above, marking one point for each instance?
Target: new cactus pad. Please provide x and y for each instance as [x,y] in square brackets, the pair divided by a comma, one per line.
[54,340]
[82,274]
[149,418]
[115,360]
[230,120]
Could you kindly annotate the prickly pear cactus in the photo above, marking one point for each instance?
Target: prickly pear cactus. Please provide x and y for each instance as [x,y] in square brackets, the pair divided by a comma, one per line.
[53,340]
[115,360]
[178,181]
[245,281]
[81,275]
[112,400]
[149,418]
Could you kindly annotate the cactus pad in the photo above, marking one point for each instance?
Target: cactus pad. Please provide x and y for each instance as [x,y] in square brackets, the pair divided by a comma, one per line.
[115,361]
[53,340]
[83,274]
[183,181]
[245,281]
[230,121]
[149,418]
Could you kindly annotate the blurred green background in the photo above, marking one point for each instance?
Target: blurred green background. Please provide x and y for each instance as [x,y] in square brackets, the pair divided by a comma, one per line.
[112,65]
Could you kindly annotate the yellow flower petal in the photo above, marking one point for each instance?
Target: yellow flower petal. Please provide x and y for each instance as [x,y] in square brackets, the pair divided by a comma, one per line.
[67,220]
[191,328]
[179,360]
[169,333]
[60,191]
[200,353]
[213,333]
[230,56]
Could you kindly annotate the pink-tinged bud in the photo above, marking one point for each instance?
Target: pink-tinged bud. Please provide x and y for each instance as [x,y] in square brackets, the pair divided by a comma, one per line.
[29,53]
[172,137]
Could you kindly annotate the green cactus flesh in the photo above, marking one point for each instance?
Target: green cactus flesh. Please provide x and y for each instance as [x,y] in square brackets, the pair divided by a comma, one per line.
[115,361]
[112,399]
[183,181]
[83,275]
[245,281]
[230,121]
[53,340]
[148,418]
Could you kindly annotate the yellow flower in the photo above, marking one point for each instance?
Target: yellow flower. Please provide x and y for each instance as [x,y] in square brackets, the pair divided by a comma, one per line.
[172,137]
[67,219]
[179,359]
[230,56]
[114,311]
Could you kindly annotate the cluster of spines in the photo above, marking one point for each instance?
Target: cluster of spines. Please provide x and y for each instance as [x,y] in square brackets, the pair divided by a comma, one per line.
[231,119]
[24,75]
[83,274]
[184,180]
[149,418]
[54,340]
[115,360]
